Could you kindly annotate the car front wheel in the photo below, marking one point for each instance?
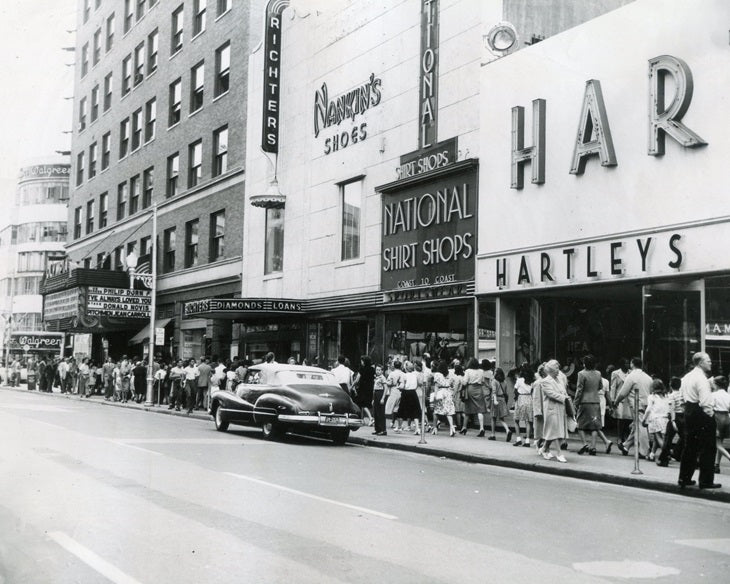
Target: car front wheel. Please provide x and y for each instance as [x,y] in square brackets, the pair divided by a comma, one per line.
[340,436]
[271,430]
[220,424]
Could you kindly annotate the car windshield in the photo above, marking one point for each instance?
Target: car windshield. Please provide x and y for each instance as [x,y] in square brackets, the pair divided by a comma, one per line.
[308,377]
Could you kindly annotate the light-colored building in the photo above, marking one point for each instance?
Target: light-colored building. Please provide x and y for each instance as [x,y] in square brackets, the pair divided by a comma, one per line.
[31,243]
[609,234]
[364,163]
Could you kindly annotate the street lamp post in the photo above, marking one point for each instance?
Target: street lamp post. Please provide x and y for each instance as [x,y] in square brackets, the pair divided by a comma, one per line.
[153,299]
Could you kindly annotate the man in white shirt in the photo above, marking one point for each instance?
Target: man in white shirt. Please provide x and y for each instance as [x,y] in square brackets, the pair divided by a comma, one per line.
[700,427]
[343,374]
[191,376]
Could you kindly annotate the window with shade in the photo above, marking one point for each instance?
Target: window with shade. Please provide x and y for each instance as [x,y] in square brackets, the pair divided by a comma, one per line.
[216,247]
[197,86]
[351,199]
[147,185]
[195,163]
[173,175]
[168,245]
[274,242]
[191,243]
[222,69]
[220,151]
[175,102]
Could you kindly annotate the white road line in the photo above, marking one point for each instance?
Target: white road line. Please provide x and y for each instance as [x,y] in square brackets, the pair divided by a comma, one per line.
[112,573]
[147,450]
[231,441]
[719,545]
[315,497]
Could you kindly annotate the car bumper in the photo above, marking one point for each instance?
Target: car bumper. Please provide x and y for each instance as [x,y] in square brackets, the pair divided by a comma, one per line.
[324,420]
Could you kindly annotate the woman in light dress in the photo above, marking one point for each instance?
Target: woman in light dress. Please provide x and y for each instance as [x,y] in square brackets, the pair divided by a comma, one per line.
[497,397]
[555,425]
[443,397]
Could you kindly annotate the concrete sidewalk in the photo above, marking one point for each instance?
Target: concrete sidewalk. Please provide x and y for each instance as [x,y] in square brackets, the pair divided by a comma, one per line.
[614,468]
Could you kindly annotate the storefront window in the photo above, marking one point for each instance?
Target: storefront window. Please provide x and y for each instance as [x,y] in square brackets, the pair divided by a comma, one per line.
[274,255]
[441,333]
[717,322]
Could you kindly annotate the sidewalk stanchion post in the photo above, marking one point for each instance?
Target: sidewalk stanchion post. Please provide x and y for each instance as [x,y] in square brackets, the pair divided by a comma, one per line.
[423,416]
[637,427]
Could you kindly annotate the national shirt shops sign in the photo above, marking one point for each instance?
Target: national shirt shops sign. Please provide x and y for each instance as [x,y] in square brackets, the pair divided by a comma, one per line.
[429,230]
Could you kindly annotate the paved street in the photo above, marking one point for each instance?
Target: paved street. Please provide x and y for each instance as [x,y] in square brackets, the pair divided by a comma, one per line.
[97,494]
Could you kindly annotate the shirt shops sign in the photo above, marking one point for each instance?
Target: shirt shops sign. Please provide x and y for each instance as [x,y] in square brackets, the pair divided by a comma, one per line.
[429,232]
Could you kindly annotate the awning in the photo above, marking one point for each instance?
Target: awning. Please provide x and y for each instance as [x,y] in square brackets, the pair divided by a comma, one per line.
[144,334]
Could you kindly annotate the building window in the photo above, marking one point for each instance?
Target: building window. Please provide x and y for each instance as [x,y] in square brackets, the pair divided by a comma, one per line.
[168,244]
[195,163]
[191,243]
[222,69]
[108,91]
[136,129]
[148,179]
[274,243]
[96,48]
[220,151]
[87,10]
[106,150]
[94,103]
[103,209]
[153,42]
[140,8]
[134,192]
[138,64]
[351,197]
[89,217]
[82,114]
[175,102]
[78,217]
[197,84]
[103,261]
[126,75]
[216,249]
[109,32]
[79,168]
[84,60]
[128,15]
[176,40]
[122,195]
[87,263]
[118,263]
[123,138]
[223,6]
[93,150]
[199,17]
[150,110]
[145,246]
[173,172]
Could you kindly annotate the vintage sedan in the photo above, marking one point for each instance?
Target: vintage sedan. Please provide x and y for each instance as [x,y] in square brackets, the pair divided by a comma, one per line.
[282,398]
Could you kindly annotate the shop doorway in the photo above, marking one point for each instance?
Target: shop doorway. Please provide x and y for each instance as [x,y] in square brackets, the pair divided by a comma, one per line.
[672,327]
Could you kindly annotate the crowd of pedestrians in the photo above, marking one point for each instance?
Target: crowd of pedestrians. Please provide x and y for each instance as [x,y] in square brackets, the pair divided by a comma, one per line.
[685,419]
[687,422]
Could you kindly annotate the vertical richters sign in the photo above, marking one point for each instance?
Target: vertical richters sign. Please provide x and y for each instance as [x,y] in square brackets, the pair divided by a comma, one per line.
[428,92]
[272,75]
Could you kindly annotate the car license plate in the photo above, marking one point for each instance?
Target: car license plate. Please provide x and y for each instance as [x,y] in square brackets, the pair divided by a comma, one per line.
[325,420]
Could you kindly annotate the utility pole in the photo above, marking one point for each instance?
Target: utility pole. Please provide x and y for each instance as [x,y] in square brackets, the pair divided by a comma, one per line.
[153,299]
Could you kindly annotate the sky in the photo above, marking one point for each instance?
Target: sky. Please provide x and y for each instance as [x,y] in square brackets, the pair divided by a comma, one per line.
[33,112]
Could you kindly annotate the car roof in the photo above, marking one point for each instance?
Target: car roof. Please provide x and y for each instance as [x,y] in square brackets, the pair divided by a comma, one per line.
[276,367]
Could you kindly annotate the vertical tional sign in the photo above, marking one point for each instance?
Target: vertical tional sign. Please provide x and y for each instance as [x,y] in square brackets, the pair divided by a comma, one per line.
[428,76]
[272,75]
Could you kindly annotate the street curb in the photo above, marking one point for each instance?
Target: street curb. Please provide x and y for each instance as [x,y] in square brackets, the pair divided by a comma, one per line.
[562,471]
